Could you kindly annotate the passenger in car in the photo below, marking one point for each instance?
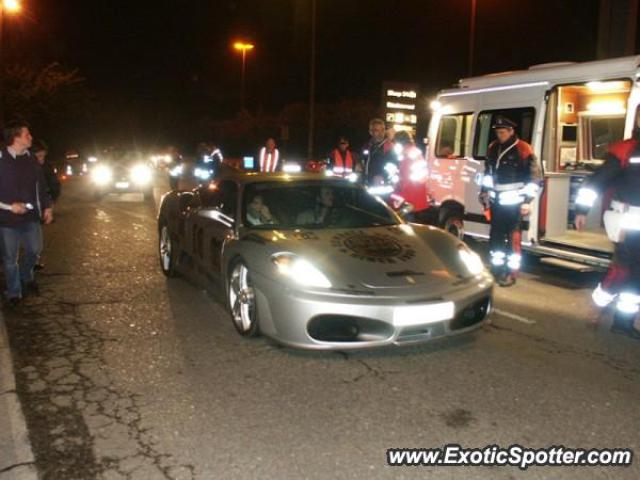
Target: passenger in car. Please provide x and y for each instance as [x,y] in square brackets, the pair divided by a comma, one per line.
[258,212]
[323,212]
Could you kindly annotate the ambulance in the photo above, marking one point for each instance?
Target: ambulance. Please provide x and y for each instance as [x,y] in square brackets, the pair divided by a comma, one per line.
[569,113]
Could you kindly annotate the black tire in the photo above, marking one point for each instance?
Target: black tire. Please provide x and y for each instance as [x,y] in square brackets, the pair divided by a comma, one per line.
[167,252]
[453,223]
[97,195]
[245,321]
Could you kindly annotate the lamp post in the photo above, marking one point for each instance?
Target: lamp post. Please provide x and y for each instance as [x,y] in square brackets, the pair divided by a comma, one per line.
[8,6]
[312,83]
[243,48]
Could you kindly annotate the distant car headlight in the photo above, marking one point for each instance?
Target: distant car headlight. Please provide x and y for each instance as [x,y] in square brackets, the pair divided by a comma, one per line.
[202,173]
[101,174]
[92,159]
[141,175]
[300,270]
[177,170]
[471,260]
[291,168]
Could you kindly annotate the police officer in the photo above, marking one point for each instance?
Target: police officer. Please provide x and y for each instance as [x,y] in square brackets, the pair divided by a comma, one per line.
[620,174]
[511,181]
[208,161]
[380,162]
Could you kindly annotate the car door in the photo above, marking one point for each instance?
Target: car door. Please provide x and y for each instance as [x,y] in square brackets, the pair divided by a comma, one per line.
[214,224]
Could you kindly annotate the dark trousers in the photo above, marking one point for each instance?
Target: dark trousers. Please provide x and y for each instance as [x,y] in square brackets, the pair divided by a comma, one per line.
[29,236]
[504,239]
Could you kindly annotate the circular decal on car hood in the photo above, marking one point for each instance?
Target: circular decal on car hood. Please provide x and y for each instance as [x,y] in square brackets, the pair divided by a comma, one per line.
[373,247]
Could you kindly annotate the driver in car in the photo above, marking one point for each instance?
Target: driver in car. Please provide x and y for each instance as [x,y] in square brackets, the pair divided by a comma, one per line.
[324,212]
[258,213]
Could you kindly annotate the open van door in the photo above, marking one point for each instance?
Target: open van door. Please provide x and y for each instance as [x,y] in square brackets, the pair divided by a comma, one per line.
[582,121]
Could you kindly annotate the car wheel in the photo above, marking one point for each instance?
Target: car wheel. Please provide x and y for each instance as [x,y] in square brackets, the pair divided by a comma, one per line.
[454,224]
[242,301]
[167,252]
[97,195]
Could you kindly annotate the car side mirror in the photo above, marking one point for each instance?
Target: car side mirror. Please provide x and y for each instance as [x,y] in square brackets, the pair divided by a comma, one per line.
[214,213]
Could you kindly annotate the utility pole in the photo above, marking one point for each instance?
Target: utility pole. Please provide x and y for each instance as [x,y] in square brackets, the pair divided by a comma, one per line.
[617,28]
[312,83]
[1,66]
[472,36]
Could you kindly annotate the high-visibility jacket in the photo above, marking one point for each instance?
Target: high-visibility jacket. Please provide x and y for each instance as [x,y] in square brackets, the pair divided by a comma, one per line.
[269,160]
[342,164]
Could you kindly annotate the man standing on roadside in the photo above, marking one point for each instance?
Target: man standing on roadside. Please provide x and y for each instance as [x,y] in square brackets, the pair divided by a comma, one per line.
[24,202]
[380,161]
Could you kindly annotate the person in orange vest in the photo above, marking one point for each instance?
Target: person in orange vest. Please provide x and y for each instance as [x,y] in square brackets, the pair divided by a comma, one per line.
[269,157]
[342,161]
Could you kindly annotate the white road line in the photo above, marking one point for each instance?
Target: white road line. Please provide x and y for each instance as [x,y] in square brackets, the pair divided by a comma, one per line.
[513,316]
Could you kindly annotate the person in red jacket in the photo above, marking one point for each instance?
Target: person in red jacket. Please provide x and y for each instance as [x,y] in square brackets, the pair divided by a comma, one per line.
[619,175]
[412,186]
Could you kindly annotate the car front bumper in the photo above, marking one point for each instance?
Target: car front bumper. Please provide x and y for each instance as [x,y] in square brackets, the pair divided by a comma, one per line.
[338,321]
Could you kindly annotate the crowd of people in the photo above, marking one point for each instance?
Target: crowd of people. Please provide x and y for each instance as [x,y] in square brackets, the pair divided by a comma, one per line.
[29,188]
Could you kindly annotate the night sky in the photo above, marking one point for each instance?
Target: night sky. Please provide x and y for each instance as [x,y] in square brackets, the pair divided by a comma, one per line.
[172,60]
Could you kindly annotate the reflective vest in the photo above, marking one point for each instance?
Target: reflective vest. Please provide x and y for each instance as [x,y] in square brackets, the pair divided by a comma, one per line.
[342,166]
[269,160]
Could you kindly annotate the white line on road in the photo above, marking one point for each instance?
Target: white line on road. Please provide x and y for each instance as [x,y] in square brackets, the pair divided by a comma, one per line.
[513,316]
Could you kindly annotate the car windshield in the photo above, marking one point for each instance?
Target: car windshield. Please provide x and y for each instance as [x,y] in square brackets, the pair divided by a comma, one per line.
[313,204]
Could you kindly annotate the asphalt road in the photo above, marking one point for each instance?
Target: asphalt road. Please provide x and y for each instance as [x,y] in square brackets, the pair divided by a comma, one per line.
[124,374]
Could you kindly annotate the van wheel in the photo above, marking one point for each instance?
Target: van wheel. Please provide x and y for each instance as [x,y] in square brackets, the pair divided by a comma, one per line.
[454,224]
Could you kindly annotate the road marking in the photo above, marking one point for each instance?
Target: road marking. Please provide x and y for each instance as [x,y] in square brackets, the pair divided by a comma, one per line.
[513,316]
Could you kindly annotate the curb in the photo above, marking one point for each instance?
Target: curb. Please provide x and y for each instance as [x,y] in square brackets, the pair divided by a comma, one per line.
[16,457]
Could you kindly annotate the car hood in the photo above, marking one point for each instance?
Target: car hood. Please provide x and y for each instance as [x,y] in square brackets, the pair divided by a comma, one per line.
[398,256]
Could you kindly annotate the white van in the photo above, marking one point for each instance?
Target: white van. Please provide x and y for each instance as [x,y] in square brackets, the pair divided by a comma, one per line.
[569,113]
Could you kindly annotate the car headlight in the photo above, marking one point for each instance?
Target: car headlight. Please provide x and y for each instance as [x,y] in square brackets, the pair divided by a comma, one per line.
[202,173]
[291,168]
[471,260]
[101,174]
[141,175]
[300,270]
[177,170]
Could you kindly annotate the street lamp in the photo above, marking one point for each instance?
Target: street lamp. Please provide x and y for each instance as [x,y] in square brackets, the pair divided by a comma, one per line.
[243,47]
[9,6]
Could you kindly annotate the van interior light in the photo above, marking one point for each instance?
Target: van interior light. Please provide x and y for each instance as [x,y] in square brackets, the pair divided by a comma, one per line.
[601,87]
[607,107]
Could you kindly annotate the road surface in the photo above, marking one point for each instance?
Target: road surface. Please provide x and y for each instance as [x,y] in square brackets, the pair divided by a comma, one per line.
[124,374]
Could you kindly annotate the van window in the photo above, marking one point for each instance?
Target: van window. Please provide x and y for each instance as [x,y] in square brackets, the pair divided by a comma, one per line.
[523,117]
[452,135]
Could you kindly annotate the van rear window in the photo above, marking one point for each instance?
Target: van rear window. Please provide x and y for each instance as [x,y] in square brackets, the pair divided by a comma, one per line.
[523,117]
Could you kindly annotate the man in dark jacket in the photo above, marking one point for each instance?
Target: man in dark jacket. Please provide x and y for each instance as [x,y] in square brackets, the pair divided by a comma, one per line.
[40,151]
[511,182]
[24,202]
[380,160]
[620,177]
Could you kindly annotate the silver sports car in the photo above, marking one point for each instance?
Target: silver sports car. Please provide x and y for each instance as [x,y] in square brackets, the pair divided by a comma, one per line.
[320,263]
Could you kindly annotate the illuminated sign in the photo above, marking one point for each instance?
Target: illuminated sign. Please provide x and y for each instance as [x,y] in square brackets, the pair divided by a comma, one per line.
[401,93]
[400,101]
